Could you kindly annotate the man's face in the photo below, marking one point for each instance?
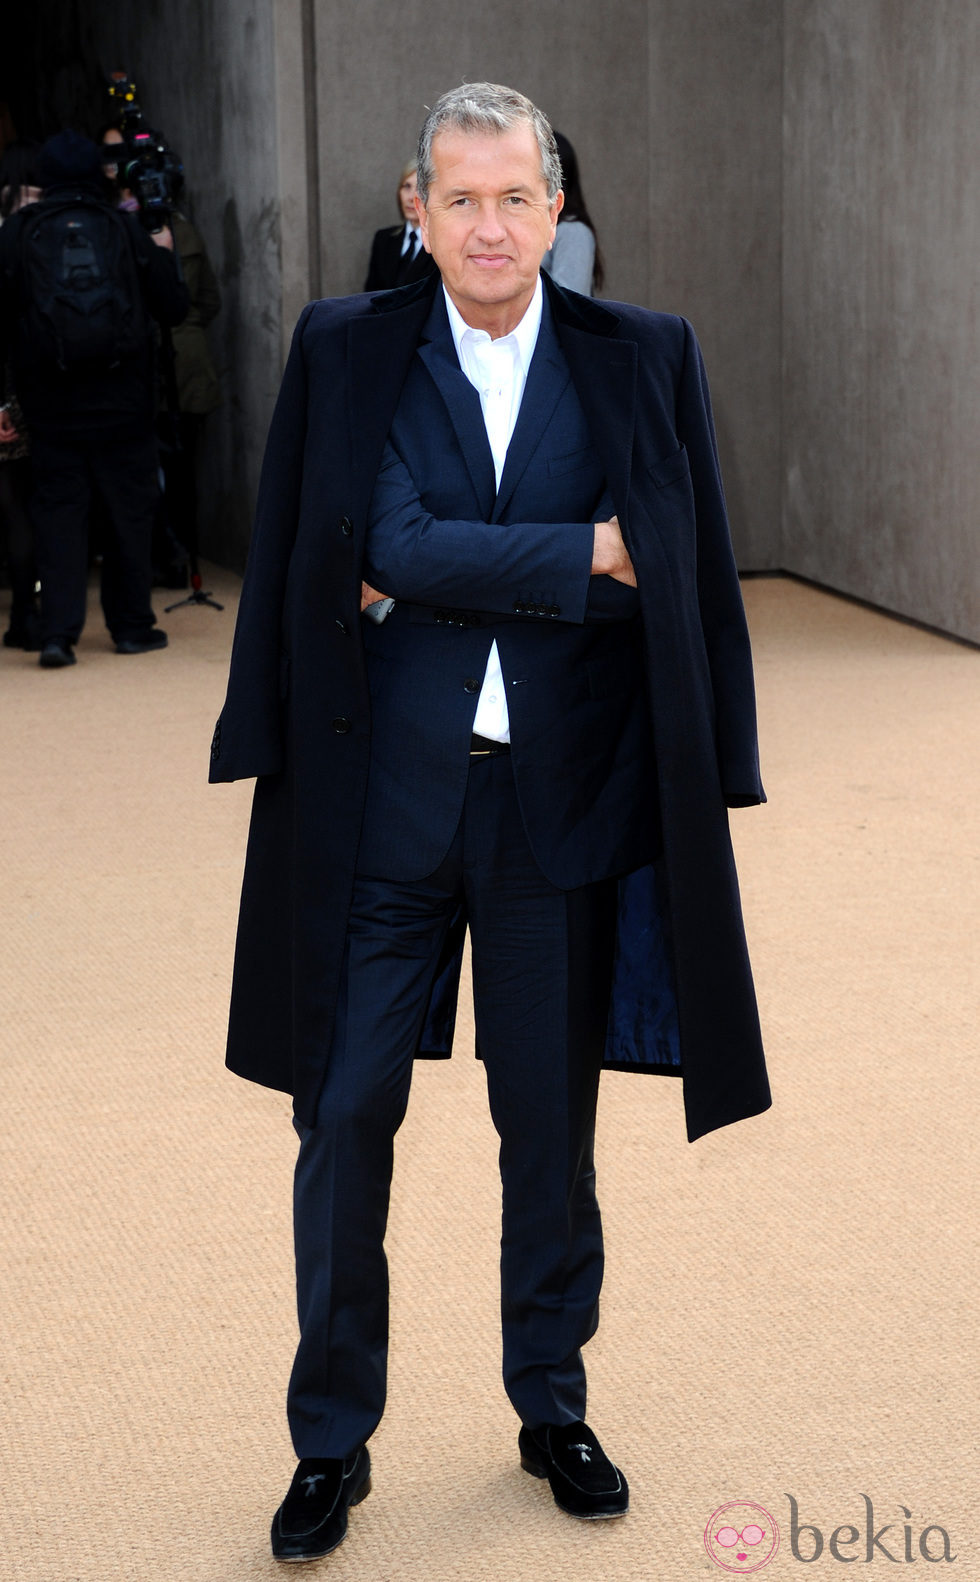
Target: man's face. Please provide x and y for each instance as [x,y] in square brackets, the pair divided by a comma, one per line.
[488,222]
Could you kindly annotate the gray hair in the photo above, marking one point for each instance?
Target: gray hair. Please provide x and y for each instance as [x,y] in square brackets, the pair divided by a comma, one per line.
[487,107]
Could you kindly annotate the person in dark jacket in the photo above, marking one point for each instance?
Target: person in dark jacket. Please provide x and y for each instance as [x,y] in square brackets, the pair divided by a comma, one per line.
[18,188]
[397,254]
[91,418]
[536,733]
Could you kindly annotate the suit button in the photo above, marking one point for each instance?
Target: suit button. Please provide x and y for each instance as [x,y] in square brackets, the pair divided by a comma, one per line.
[553,610]
[520,607]
[471,684]
[341,725]
[346,526]
[343,627]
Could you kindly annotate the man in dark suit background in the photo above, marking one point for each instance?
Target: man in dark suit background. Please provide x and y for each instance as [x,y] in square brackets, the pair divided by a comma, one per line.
[537,739]
[397,255]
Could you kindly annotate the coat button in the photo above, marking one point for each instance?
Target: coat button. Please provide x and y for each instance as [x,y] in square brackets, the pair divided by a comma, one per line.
[346,526]
[471,684]
[343,627]
[341,725]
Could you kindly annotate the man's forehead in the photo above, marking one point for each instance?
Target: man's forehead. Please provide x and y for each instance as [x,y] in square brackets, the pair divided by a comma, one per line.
[487,153]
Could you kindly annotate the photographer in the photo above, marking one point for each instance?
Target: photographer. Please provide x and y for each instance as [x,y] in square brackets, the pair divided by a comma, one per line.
[193,390]
[79,283]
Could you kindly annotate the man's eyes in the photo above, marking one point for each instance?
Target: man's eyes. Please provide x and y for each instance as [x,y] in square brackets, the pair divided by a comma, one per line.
[513,201]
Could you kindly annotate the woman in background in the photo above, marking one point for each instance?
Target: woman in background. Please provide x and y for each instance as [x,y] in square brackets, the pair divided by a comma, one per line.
[397,254]
[574,260]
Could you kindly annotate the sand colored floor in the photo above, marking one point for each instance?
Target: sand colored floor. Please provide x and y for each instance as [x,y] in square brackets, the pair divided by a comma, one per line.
[790,1305]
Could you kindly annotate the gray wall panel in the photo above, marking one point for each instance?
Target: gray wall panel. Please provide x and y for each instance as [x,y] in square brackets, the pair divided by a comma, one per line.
[715,180]
[881,325]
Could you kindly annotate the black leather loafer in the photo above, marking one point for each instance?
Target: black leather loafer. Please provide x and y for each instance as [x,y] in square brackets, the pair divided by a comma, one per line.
[583,1479]
[312,1519]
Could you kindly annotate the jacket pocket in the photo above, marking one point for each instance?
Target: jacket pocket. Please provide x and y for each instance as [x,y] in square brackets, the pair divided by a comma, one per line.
[571,461]
[671,469]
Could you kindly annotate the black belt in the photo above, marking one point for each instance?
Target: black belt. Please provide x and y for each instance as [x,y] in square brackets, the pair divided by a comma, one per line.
[485,747]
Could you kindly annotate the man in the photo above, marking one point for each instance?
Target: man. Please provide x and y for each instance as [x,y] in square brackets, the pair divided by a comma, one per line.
[79,284]
[538,740]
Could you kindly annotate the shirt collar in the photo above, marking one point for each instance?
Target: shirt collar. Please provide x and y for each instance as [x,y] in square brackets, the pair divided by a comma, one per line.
[524,334]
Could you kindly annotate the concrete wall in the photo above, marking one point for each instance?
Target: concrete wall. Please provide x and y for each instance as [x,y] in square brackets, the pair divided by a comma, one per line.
[881,310]
[715,75]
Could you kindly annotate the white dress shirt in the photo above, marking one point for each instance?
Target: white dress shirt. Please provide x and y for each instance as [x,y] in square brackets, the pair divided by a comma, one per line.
[497,370]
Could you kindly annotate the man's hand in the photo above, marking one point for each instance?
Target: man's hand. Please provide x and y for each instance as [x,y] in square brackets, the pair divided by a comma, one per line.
[164,238]
[7,430]
[370,595]
[609,555]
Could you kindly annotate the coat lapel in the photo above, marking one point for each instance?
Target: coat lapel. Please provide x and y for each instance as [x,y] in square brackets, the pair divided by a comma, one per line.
[547,378]
[438,353]
[380,348]
[603,369]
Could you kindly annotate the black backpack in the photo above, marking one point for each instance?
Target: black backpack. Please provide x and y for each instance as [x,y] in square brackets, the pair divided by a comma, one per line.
[84,308]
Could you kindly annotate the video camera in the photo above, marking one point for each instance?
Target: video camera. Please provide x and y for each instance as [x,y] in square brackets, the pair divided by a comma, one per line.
[145,163]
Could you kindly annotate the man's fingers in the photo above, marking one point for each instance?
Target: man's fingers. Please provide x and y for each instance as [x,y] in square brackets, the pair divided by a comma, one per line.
[370,595]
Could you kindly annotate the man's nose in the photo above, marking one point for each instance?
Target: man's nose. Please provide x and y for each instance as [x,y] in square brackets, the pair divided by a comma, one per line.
[490,225]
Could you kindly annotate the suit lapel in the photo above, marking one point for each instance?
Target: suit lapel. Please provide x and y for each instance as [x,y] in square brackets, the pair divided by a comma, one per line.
[438,353]
[547,378]
[604,372]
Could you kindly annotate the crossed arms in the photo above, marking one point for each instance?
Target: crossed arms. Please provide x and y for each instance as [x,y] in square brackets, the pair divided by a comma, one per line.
[480,565]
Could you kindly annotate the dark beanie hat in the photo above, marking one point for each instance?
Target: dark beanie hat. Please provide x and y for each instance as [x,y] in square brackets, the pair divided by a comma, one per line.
[67,158]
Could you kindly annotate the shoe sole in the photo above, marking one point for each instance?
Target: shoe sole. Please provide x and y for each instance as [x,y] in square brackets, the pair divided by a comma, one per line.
[537,1469]
[361,1493]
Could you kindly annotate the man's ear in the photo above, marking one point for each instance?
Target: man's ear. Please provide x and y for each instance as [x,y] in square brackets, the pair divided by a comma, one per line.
[423,220]
[556,209]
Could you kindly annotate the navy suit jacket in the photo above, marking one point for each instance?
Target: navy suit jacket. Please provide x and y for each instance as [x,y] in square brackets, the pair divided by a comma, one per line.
[467,564]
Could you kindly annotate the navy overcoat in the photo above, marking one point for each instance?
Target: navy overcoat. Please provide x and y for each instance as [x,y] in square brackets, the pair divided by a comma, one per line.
[297,712]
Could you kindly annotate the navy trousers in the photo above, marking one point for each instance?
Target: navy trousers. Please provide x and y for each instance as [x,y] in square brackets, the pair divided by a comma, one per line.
[542,965]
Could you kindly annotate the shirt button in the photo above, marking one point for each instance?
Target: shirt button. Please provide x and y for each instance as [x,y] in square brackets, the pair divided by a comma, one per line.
[471,684]
[346,526]
[341,725]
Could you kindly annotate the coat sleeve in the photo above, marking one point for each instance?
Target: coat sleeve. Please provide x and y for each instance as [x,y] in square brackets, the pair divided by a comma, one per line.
[722,613]
[248,736]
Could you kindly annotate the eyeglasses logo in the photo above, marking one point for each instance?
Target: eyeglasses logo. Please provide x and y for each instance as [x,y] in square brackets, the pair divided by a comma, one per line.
[741,1537]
